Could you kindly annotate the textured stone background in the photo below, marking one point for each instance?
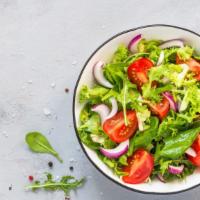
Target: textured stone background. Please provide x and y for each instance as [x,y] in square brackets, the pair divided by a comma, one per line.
[43,46]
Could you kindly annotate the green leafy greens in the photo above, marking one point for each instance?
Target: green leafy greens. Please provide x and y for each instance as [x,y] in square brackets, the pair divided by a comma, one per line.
[38,143]
[66,184]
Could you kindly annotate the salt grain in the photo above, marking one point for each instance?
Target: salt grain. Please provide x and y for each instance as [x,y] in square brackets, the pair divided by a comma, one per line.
[4,133]
[47,111]
[30,82]
[53,85]
[72,160]
[101,193]
[74,62]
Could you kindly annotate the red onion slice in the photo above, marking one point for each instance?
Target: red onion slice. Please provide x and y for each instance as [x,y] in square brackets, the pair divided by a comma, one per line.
[161,178]
[175,170]
[121,149]
[172,43]
[99,76]
[172,103]
[161,58]
[114,108]
[103,110]
[191,152]
[132,44]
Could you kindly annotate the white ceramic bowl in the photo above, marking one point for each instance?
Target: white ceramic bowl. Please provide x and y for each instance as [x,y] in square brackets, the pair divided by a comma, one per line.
[104,52]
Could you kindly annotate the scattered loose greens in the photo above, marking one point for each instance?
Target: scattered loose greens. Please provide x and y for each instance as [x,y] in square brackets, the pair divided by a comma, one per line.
[38,143]
[66,184]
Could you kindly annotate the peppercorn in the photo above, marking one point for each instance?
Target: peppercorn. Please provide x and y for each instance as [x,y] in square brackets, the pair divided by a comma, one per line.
[10,188]
[71,168]
[50,164]
[66,90]
[30,178]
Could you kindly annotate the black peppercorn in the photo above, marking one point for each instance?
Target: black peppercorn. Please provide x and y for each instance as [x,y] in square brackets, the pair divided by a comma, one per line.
[71,168]
[50,164]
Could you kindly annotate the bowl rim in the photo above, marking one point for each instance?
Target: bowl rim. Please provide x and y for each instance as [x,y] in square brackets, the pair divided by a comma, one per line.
[74,98]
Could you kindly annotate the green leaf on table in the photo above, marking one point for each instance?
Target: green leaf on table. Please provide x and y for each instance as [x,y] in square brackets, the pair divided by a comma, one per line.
[38,143]
[65,184]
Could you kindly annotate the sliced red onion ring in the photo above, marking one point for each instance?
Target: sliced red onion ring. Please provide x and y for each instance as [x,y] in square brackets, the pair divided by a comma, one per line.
[132,44]
[172,103]
[172,43]
[161,58]
[98,74]
[175,170]
[161,178]
[121,149]
[103,110]
[191,152]
[114,108]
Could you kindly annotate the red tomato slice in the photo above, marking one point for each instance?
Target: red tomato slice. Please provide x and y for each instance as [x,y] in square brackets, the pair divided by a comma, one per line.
[198,77]
[116,129]
[193,65]
[139,168]
[161,109]
[137,71]
[196,147]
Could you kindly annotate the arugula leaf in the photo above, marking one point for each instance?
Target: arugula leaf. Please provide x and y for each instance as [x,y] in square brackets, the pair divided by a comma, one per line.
[66,184]
[174,147]
[38,143]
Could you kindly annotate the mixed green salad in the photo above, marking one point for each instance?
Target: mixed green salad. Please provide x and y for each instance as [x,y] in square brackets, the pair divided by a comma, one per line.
[142,116]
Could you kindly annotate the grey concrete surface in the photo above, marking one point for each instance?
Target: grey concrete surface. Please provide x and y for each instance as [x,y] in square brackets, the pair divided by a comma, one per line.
[43,46]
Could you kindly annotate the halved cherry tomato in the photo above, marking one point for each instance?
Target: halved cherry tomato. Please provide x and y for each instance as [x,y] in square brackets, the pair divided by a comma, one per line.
[116,129]
[139,168]
[193,65]
[196,147]
[137,71]
[161,109]
[198,77]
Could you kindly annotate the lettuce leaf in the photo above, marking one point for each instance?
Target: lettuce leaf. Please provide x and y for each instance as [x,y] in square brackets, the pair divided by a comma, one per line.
[148,45]
[185,53]
[92,95]
[121,54]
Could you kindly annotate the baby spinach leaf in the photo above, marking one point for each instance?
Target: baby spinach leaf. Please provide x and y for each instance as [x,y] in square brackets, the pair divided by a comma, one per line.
[176,146]
[38,143]
[144,138]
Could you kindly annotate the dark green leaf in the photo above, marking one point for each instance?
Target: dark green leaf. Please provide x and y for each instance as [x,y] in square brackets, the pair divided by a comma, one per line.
[175,147]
